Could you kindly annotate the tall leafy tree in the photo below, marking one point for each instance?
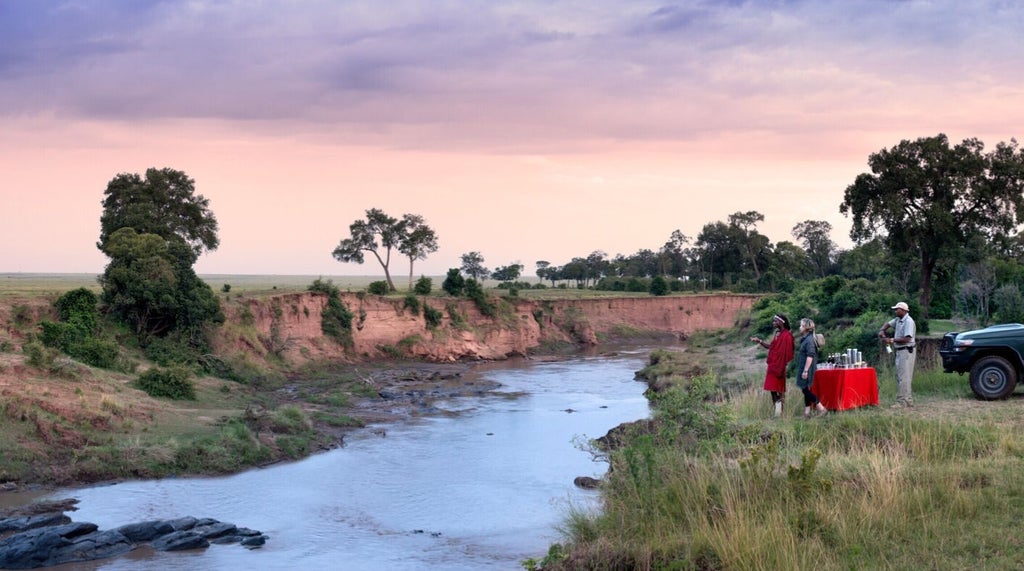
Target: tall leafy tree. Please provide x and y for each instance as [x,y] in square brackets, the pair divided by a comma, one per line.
[473,266]
[163,203]
[416,240]
[717,253]
[749,240]
[379,234]
[929,199]
[543,267]
[816,238]
[672,257]
[153,229]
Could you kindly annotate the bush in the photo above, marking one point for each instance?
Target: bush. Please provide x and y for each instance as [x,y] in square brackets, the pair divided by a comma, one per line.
[659,286]
[432,316]
[378,288]
[97,352]
[423,286]
[168,351]
[454,283]
[475,291]
[78,308]
[412,303]
[336,319]
[173,383]
[39,355]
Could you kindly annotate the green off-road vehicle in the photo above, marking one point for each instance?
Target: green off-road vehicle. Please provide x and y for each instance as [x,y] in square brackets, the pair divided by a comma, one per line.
[994,357]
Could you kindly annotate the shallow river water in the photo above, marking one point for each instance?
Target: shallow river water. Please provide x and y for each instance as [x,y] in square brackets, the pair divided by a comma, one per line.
[481,486]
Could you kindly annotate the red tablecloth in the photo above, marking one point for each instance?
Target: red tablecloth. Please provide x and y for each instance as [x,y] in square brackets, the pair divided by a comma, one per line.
[841,389]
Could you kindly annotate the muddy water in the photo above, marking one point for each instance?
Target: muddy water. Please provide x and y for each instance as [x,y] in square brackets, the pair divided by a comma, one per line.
[480,486]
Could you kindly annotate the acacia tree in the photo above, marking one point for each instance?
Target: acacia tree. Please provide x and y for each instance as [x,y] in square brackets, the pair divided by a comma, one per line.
[153,229]
[509,273]
[931,200]
[416,240]
[379,234]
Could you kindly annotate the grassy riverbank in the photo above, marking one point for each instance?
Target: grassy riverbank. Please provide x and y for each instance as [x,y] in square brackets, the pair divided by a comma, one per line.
[715,483]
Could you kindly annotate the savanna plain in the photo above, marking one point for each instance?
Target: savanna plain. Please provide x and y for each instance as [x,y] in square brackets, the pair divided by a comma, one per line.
[711,481]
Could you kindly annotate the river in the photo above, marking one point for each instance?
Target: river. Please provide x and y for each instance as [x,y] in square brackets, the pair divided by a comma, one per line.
[482,485]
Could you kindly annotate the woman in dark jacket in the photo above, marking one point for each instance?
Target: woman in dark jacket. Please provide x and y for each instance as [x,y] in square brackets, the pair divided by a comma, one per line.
[780,353]
[806,365]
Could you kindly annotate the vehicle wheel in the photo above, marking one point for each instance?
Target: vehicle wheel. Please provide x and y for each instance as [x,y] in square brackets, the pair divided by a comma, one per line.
[993,378]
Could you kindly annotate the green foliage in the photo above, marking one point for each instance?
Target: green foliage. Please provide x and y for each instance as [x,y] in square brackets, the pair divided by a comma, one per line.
[289,420]
[1009,303]
[454,284]
[78,308]
[380,233]
[226,288]
[412,303]
[336,318]
[236,446]
[476,292]
[689,407]
[458,320]
[432,316]
[378,288]
[171,382]
[98,352]
[172,350]
[38,355]
[659,286]
[77,333]
[423,286]
[153,230]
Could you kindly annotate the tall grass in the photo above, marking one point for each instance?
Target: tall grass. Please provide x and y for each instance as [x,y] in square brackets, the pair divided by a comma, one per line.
[865,489]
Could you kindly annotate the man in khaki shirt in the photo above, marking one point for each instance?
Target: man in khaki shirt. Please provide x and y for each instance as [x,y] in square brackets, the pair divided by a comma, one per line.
[903,342]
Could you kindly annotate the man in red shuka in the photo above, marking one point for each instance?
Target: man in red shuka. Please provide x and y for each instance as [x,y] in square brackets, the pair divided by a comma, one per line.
[780,353]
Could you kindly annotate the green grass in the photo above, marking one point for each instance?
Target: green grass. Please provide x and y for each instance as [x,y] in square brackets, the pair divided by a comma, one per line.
[933,488]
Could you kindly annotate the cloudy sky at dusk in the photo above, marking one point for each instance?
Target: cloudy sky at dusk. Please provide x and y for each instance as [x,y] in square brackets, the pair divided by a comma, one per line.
[526,130]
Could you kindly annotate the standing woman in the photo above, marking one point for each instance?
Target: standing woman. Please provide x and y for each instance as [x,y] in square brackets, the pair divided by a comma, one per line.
[806,365]
[780,353]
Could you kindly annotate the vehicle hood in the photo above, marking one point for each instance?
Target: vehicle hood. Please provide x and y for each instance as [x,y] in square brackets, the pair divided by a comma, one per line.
[993,331]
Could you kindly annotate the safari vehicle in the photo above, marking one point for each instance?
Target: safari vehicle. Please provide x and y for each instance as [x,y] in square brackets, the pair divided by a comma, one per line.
[994,357]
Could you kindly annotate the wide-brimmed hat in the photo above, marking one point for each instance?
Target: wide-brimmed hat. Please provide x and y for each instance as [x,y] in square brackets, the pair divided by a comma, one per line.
[901,305]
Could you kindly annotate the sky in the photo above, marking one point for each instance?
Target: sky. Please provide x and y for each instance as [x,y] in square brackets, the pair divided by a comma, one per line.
[523,130]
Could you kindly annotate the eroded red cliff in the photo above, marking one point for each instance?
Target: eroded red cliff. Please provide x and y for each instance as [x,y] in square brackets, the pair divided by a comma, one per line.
[289,326]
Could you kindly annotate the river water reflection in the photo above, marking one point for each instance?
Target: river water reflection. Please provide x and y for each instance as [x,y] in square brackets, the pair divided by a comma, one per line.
[481,486]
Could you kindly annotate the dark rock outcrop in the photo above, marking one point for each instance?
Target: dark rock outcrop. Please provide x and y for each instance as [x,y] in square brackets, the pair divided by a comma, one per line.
[45,540]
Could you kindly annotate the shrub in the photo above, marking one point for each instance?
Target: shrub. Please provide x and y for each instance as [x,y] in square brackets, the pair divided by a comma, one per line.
[226,288]
[97,352]
[168,351]
[412,303]
[475,291]
[78,308]
[336,319]
[432,316]
[378,287]
[659,286]
[39,355]
[173,383]
[423,286]
[60,335]
[454,283]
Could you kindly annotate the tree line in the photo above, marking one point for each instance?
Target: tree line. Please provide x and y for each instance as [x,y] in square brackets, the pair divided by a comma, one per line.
[933,220]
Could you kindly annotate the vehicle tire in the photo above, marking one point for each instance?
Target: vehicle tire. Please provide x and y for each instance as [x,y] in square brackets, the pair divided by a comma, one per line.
[993,378]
